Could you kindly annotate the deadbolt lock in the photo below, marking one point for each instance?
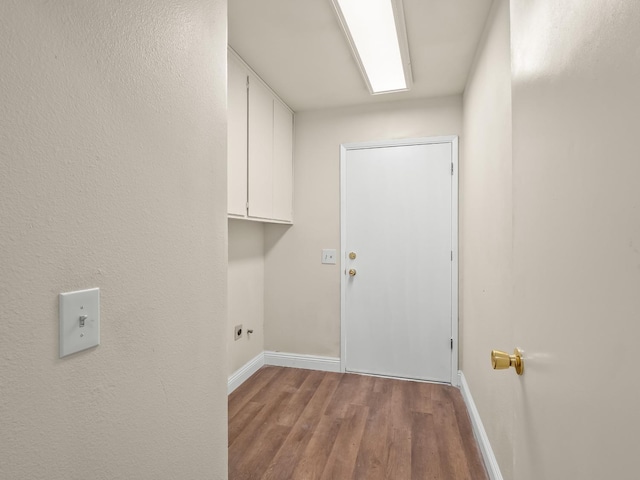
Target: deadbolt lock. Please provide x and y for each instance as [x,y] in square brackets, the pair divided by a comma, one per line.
[352,255]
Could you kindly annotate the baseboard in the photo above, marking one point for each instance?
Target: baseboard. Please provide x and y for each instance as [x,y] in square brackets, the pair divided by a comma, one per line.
[281,359]
[490,462]
[296,360]
[238,377]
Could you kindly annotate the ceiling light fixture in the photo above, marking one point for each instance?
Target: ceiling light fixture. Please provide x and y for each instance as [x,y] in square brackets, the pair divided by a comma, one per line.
[376,32]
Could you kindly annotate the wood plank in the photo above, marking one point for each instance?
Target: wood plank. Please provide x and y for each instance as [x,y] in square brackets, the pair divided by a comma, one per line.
[315,455]
[243,419]
[251,464]
[425,455]
[303,430]
[453,458]
[303,394]
[342,460]
[243,394]
[420,395]
[372,455]
[297,424]
[399,434]
[353,390]
[468,441]
[260,440]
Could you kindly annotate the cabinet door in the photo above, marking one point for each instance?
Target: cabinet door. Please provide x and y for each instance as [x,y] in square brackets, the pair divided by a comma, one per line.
[237,139]
[260,150]
[282,162]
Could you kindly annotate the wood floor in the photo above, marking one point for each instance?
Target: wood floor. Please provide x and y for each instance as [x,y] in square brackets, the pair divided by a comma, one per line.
[286,423]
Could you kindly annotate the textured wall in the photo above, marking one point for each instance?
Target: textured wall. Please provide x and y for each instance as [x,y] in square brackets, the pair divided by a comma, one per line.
[302,296]
[113,154]
[486,251]
[246,291]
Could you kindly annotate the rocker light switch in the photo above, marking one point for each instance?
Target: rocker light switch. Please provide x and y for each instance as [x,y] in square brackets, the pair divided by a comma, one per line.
[79,321]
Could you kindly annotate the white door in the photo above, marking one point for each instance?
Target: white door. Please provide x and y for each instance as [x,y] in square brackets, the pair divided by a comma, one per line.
[399,310]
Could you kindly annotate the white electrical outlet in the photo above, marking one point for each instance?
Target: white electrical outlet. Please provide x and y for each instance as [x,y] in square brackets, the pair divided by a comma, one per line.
[329,256]
[79,321]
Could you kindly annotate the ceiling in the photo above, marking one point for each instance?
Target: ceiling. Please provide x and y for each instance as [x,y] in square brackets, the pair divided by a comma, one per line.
[299,49]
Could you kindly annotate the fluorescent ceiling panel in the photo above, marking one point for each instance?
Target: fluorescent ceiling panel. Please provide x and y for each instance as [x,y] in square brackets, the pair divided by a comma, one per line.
[371,29]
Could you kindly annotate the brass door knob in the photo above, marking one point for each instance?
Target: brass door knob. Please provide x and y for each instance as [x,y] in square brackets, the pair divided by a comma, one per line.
[501,360]
[352,272]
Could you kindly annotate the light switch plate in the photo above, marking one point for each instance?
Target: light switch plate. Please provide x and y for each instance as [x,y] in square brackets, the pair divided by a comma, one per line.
[79,321]
[329,256]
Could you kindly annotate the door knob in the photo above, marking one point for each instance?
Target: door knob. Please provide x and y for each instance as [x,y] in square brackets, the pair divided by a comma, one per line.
[501,360]
[352,272]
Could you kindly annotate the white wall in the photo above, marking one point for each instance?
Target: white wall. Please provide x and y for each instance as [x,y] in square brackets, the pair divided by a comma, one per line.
[302,296]
[486,250]
[113,159]
[246,291]
[576,197]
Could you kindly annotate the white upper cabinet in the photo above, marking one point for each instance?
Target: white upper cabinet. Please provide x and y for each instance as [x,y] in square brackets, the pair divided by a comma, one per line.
[262,188]
[236,138]
[260,150]
[282,162]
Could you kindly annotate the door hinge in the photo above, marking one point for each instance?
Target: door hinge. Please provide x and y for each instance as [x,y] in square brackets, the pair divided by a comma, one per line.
[247,82]
[247,205]
[451,168]
[452,255]
[452,344]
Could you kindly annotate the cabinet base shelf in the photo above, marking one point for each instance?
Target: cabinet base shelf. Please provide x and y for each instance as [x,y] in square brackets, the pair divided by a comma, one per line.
[260,220]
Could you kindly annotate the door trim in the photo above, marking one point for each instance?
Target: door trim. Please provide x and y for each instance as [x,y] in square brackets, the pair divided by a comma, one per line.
[344,148]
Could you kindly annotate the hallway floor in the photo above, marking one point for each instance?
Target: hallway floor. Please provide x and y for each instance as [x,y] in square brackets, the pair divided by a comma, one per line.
[287,423]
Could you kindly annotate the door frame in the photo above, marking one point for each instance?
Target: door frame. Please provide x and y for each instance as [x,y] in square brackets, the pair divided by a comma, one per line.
[344,148]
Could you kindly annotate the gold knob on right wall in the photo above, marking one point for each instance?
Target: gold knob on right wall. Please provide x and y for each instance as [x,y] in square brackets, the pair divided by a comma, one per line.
[501,360]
